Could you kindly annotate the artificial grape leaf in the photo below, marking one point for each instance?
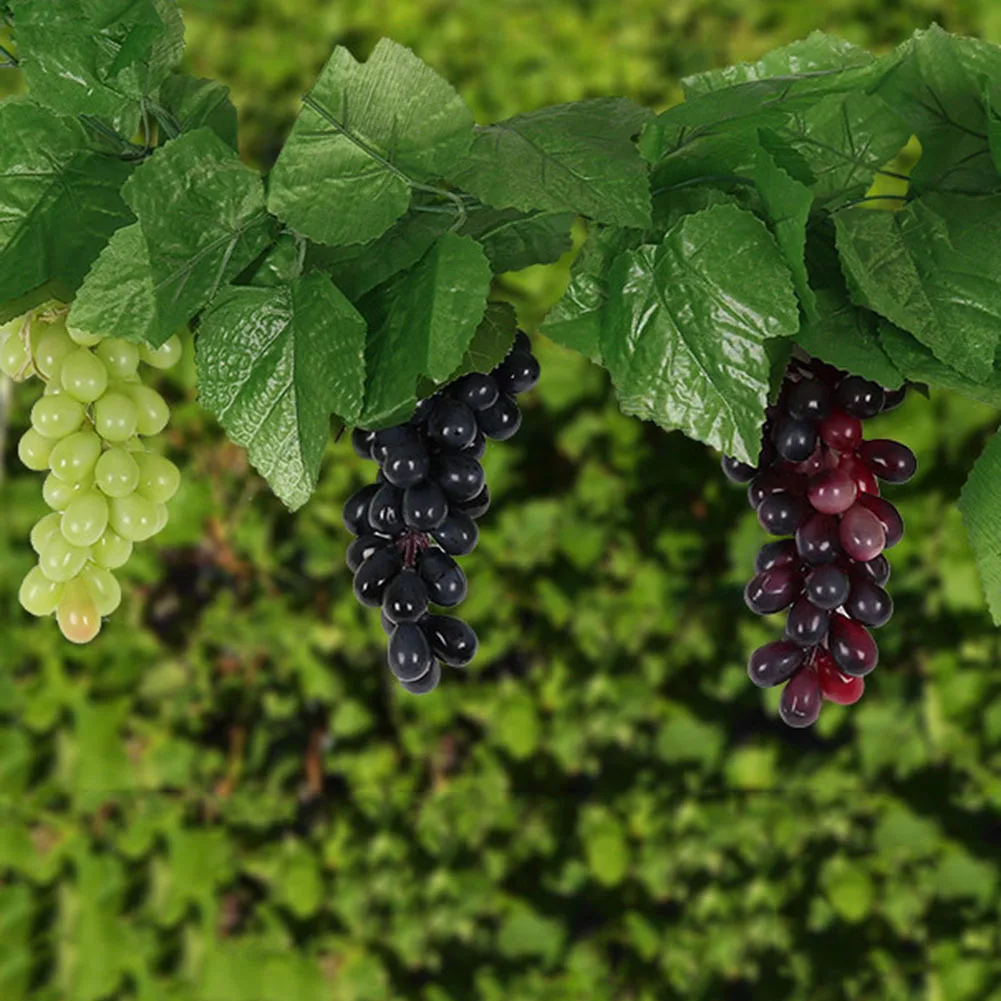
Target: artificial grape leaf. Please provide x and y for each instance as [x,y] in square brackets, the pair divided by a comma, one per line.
[281,264]
[274,364]
[96,57]
[577,158]
[575,320]
[933,269]
[359,268]
[938,90]
[192,103]
[490,345]
[421,323]
[48,175]
[980,504]
[514,240]
[367,134]
[202,220]
[687,322]
[846,335]
[815,57]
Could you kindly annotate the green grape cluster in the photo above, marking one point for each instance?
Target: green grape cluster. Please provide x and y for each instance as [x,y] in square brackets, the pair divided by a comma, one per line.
[107,491]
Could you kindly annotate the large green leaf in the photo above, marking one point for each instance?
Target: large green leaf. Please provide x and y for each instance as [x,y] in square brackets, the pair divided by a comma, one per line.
[192,103]
[980,504]
[49,178]
[934,269]
[577,158]
[201,222]
[367,134]
[97,57]
[421,323]
[514,240]
[686,325]
[274,364]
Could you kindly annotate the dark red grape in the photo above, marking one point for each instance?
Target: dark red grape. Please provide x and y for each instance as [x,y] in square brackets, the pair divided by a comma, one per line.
[773,590]
[807,624]
[832,491]
[852,646]
[835,685]
[782,514]
[801,699]
[861,533]
[772,663]
[410,654]
[452,641]
[502,420]
[405,598]
[818,541]
[859,397]
[827,587]
[425,506]
[889,460]
[781,553]
[868,603]
[877,570]
[737,471]
[861,474]
[888,515]
[794,440]
[841,431]
[809,400]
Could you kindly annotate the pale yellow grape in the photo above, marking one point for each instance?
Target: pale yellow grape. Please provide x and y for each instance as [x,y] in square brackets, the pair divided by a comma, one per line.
[85,519]
[164,357]
[120,357]
[61,560]
[134,445]
[44,529]
[105,591]
[54,346]
[159,478]
[82,338]
[77,614]
[117,473]
[57,493]
[162,517]
[84,376]
[74,458]
[134,518]
[57,416]
[115,417]
[34,450]
[153,410]
[13,356]
[38,595]
[112,551]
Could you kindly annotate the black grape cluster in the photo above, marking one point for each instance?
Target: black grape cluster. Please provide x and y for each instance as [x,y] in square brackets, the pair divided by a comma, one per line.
[422,511]
[817,480]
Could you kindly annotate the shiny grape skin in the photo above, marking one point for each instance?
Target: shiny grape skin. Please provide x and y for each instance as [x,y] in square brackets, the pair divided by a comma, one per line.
[877,570]
[394,437]
[478,506]
[362,548]
[801,699]
[841,431]
[773,590]
[889,460]
[852,646]
[406,465]
[782,514]
[889,517]
[518,373]
[356,510]
[374,575]
[863,477]
[476,390]
[894,397]
[827,587]
[806,625]
[452,423]
[409,654]
[868,603]
[422,411]
[773,481]
[860,397]
[386,513]
[794,440]
[736,471]
[774,662]
[424,507]
[452,641]
[405,598]
[832,491]
[460,476]
[861,533]
[478,449]
[457,534]
[362,442]
[424,684]
[836,686]
[502,420]
[817,540]
[809,400]
[780,553]
[446,582]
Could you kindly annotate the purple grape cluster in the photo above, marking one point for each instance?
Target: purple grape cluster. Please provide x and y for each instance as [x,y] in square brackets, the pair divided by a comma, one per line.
[422,511]
[817,482]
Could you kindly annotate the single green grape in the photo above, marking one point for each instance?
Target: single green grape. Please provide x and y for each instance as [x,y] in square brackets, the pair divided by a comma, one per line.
[82,338]
[159,478]
[14,357]
[164,357]
[73,459]
[54,346]
[134,517]
[105,591]
[61,561]
[162,517]
[56,417]
[84,376]
[44,529]
[39,596]
[120,357]
[77,614]
[112,551]
[153,410]
[117,473]
[85,519]
[33,450]
[115,417]
[57,493]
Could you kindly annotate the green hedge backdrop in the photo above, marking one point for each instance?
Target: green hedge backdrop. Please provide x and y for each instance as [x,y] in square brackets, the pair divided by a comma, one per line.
[224,800]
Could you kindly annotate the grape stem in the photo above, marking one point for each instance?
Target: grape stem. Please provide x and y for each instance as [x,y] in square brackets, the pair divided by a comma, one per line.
[411,545]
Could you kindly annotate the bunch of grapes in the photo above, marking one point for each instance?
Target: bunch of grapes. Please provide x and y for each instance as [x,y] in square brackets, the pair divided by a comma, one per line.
[421,513]
[817,480]
[105,489]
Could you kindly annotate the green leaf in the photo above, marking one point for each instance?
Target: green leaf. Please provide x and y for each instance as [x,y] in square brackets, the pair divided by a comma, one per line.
[577,158]
[421,323]
[281,264]
[848,888]
[684,331]
[274,364]
[980,504]
[606,846]
[368,133]
[93,57]
[201,222]
[193,103]
[47,176]
[514,240]
[492,341]
[932,269]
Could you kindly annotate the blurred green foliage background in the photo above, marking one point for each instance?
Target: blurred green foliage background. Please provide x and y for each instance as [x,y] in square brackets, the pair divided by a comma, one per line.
[225,800]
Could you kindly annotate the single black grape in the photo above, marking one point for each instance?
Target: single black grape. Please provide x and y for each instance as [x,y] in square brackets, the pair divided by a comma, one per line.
[888,459]
[522,342]
[406,465]
[457,534]
[362,442]
[409,653]
[782,514]
[459,476]
[362,548]
[801,699]
[445,580]
[386,512]
[818,540]
[737,471]
[809,400]
[478,448]
[773,481]
[806,625]
[502,420]
[894,397]
[827,587]
[781,553]
[772,663]
[518,373]
[406,597]
[394,437]
[356,510]
[773,590]
[478,506]
[877,570]
[422,411]
[452,641]
[860,397]
[425,506]
[374,575]
[452,423]
[425,683]
[794,439]
[868,603]
[476,390]
[852,646]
